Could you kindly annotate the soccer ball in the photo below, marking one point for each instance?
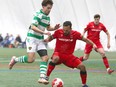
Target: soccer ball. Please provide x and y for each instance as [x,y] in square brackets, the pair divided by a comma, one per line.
[57,82]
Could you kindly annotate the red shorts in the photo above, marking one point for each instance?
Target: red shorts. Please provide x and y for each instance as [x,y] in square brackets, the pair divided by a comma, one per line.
[67,59]
[88,47]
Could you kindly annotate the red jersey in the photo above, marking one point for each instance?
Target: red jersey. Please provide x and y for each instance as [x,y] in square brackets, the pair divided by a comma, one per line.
[93,31]
[66,44]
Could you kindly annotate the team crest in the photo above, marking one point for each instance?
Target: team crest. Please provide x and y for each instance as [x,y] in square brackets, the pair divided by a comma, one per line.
[30,48]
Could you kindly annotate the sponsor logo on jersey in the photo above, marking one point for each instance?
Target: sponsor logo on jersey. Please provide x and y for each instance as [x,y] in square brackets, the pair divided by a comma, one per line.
[96,30]
[30,48]
[45,21]
[66,40]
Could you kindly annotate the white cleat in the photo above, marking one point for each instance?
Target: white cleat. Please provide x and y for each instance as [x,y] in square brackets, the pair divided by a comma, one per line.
[43,79]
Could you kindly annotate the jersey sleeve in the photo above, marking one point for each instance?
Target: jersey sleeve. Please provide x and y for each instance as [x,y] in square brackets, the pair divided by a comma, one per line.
[104,28]
[36,21]
[87,27]
[55,34]
[79,36]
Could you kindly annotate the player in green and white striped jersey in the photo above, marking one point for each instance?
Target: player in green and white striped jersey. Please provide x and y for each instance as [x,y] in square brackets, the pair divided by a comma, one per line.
[34,41]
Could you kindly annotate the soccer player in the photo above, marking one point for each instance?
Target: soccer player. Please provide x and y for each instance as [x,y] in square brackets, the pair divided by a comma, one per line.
[93,30]
[35,37]
[65,43]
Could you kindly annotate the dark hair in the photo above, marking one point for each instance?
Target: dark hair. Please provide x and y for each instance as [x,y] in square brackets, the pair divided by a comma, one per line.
[96,16]
[67,23]
[46,2]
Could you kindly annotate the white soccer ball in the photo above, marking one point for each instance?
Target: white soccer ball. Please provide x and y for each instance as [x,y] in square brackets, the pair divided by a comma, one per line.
[57,82]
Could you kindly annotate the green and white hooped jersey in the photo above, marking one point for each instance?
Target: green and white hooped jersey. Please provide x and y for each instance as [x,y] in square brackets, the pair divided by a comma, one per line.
[40,20]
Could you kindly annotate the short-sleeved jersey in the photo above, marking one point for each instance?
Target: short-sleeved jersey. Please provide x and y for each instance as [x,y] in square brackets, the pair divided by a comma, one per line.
[40,20]
[66,44]
[93,31]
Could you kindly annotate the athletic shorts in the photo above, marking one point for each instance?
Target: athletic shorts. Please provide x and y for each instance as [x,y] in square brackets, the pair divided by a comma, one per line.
[33,44]
[88,47]
[67,59]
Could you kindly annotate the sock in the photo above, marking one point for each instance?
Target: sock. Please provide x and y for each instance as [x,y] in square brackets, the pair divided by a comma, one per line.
[81,58]
[22,59]
[51,67]
[43,68]
[105,61]
[83,75]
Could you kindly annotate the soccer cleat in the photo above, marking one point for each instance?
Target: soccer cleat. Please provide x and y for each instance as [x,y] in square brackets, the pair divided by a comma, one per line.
[47,78]
[43,79]
[84,86]
[12,62]
[110,71]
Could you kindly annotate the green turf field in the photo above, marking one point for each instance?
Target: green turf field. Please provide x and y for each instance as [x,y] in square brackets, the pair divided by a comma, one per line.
[26,75]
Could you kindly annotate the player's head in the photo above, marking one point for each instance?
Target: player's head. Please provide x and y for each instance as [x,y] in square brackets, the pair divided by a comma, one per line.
[47,6]
[96,19]
[67,27]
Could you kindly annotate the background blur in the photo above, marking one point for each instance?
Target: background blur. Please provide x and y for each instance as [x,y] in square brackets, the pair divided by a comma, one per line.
[16,16]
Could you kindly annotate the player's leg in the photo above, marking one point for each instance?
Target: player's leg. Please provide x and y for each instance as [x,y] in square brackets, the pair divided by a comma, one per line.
[22,59]
[51,67]
[31,48]
[105,60]
[55,61]
[83,74]
[42,51]
[74,62]
[87,51]
[43,65]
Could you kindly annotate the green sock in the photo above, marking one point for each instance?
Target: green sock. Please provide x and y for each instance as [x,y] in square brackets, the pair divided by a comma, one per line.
[22,59]
[43,68]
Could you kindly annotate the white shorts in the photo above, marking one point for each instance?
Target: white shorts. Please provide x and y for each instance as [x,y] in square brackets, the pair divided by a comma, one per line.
[33,44]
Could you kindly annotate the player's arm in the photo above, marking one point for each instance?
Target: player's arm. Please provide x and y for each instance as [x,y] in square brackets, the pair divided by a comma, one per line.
[84,32]
[108,38]
[35,23]
[36,29]
[89,42]
[49,38]
[85,29]
[50,28]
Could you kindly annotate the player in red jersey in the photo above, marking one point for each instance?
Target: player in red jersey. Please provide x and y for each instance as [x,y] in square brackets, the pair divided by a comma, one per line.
[93,30]
[65,43]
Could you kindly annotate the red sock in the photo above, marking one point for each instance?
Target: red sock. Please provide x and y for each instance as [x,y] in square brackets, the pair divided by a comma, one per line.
[81,58]
[83,77]
[105,61]
[51,67]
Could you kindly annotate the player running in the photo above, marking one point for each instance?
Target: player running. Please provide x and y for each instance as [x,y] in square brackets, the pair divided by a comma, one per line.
[93,30]
[35,37]
[65,43]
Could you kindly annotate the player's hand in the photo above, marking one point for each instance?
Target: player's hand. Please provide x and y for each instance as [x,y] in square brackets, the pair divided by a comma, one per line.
[108,45]
[57,26]
[94,47]
[46,40]
[47,33]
